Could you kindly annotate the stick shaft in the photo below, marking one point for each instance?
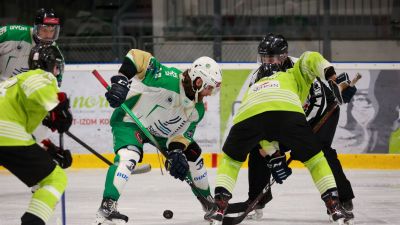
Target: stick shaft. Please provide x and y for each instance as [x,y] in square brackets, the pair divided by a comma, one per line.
[90,149]
[63,209]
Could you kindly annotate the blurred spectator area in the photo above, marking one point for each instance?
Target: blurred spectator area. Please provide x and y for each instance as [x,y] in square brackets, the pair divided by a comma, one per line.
[181,30]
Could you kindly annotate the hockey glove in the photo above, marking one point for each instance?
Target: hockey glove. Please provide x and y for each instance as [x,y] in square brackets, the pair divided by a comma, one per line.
[349,91]
[279,168]
[118,91]
[177,164]
[62,157]
[59,118]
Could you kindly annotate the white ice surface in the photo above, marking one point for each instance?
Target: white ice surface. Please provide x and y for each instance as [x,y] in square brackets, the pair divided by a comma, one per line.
[146,196]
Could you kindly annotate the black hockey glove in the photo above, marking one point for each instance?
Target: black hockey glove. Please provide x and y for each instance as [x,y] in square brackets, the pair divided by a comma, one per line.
[62,157]
[59,118]
[279,168]
[118,91]
[177,164]
[349,91]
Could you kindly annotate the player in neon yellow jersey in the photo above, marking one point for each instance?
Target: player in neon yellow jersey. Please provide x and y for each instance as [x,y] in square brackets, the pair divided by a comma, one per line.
[25,100]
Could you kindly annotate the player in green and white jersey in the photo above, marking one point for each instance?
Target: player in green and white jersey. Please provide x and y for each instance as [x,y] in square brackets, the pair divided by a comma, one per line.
[16,41]
[272,110]
[169,103]
[25,100]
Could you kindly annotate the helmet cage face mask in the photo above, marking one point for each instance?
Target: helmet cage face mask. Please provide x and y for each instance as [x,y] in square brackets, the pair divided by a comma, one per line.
[272,59]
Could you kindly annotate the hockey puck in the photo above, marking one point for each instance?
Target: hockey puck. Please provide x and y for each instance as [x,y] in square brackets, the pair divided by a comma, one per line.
[168,214]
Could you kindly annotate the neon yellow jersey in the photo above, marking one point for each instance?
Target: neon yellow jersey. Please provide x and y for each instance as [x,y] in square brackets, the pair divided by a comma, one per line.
[25,100]
[283,91]
[394,142]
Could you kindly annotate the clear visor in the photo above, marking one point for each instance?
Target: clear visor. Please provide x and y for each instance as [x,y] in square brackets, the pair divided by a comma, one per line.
[46,33]
[271,59]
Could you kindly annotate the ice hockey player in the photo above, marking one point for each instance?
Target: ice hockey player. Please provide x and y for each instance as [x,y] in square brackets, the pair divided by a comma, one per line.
[25,99]
[273,49]
[272,110]
[169,103]
[16,41]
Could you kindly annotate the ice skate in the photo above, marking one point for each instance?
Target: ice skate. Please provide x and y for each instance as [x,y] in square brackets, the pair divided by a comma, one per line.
[336,211]
[222,197]
[208,207]
[108,214]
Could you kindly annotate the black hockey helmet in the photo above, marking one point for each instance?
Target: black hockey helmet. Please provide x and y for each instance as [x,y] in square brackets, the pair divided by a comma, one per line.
[46,26]
[46,57]
[273,45]
[272,49]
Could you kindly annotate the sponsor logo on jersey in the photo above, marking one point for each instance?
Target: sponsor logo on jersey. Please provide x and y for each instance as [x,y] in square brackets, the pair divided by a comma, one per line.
[123,176]
[171,74]
[200,164]
[131,167]
[138,137]
[200,177]
[266,84]
[18,27]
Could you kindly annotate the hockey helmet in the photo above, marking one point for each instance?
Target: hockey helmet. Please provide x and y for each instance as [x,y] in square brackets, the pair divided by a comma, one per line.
[209,71]
[46,26]
[46,57]
[272,49]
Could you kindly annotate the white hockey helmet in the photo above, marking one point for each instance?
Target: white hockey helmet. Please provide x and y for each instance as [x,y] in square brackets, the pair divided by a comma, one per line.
[209,71]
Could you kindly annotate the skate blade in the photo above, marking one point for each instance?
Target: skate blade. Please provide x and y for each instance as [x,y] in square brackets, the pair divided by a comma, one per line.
[340,221]
[109,222]
[215,222]
[350,222]
[256,215]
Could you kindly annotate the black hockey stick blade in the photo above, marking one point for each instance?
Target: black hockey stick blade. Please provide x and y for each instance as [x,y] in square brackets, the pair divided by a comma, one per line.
[238,219]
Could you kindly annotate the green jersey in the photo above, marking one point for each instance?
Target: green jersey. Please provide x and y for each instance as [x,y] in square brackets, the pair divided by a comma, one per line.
[16,43]
[283,91]
[25,100]
[158,99]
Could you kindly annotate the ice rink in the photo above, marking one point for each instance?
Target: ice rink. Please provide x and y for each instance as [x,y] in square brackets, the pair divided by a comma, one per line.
[147,195]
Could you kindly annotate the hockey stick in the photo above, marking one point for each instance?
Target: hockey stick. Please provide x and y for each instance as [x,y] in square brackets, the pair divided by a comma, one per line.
[237,219]
[317,127]
[138,170]
[323,120]
[153,140]
[63,211]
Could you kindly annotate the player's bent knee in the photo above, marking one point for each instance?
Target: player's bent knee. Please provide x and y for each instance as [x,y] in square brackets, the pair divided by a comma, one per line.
[55,182]
[129,157]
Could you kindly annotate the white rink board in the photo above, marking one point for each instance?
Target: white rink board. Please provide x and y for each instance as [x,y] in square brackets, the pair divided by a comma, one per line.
[92,113]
